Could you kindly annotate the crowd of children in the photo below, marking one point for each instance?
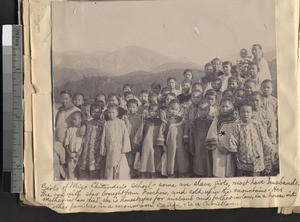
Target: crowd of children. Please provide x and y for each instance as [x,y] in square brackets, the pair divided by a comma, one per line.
[223,125]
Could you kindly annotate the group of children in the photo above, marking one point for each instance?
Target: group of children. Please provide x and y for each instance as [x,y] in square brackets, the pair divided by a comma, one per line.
[223,125]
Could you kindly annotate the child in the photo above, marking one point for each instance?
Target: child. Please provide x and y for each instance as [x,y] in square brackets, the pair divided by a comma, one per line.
[202,157]
[156,88]
[127,96]
[233,83]
[216,63]
[269,102]
[78,100]
[153,98]
[253,73]
[101,99]
[73,143]
[86,110]
[146,140]
[263,66]
[185,96]
[127,88]
[171,82]
[227,93]
[244,61]
[236,72]
[239,98]
[169,98]
[115,144]
[206,80]
[211,97]
[91,164]
[249,87]
[249,140]
[113,98]
[218,140]
[217,85]
[144,96]
[133,122]
[192,111]
[173,139]
[227,73]
[188,74]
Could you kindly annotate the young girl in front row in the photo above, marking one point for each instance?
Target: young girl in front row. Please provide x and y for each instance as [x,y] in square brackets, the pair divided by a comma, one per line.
[115,144]
[174,140]
[250,141]
[218,140]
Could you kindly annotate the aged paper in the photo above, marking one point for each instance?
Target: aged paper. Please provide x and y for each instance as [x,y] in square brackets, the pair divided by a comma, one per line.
[154,194]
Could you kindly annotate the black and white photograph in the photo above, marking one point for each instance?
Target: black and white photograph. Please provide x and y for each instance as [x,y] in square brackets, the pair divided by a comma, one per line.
[166,90]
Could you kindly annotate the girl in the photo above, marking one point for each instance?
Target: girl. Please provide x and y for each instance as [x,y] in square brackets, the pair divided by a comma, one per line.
[269,102]
[115,143]
[91,164]
[218,140]
[73,143]
[146,140]
[113,98]
[211,96]
[78,100]
[171,82]
[173,139]
[249,140]
[239,97]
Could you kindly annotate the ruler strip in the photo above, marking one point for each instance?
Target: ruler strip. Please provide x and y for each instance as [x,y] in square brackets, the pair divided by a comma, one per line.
[12,109]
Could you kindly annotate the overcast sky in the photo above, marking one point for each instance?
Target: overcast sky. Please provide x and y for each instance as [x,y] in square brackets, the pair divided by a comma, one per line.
[196,30]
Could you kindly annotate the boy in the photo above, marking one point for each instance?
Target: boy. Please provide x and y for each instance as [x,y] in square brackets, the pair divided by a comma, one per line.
[249,87]
[202,157]
[269,102]
[217,85]
[144,96]
[216,63]
[227,73]
[211,97]
[188,74]
[115,143]
[78,100]
[253,73]
[249,140]
[218,140]
[233,83]
[171,82]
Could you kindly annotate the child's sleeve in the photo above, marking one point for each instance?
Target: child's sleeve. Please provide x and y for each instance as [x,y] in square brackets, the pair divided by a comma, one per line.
[212,139]
[234,139]
[271,128]
[267,145]
[125,140]
[102,143]
[138,138]
[160,138]
[67,137]
[185,132]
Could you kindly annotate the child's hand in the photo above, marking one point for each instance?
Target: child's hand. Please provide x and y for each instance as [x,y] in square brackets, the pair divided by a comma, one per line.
[165,149]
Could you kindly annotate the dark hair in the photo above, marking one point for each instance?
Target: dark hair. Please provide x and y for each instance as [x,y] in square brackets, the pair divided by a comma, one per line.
[210,92]
[227,63]
[156,84]
[227,91]
[143,91]
[65,92]
[174,101]
[197,83]
[253,64]
[86,104]
[171,94]
[267,81]
[128,93]
[132,101]
[78,113]
[127,84]
[152,94]
[112,106]
[207,64]
[233,78]
[236,68]
[167,87]
[186,81]
[187,70]
[78,94]
[244,50]
[170,78]
[96,106]
[101,94]
[215,59]
[256,93]
[240,89]
[257,45]
[227,99]
[245,104]
[153,105]
[113,95]
[217,80]
[203,101]
[249,81]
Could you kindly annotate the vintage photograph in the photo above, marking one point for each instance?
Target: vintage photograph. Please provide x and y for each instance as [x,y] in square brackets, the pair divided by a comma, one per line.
[165,90]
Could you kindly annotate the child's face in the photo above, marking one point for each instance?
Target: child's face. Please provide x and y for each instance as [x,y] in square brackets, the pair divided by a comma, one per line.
[252,71]
[174,109]
[216,65]
[112,114]
[153,99]
[243,53]
[172,83]
[267,89]
[96,113]
[239,96]
[232,85]
[255,51]
[188,75]
[197,87]
[155,89]
[235,73]
[211,99]
[203,110]
[255,102]
[227,93]
[169,98]
[165,91]
[249,87]
[143,98]
[227,69]
[153,111]
[132,108]
[128,97]
[127,89]
[226,107]
[65,100]
[100,99]
[78,100]
[246,113]
[196,97]
[76,120]
[113,100]
[86,110]
[208,69]
[186,87]
[216,85]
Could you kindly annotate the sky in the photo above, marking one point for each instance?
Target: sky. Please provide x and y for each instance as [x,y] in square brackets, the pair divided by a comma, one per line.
[191,29]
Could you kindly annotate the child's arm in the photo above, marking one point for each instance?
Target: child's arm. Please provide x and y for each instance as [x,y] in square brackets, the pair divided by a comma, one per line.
[271,129]
[125,139]
[102,143]
[212,138]
[266,146]
[161,138]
